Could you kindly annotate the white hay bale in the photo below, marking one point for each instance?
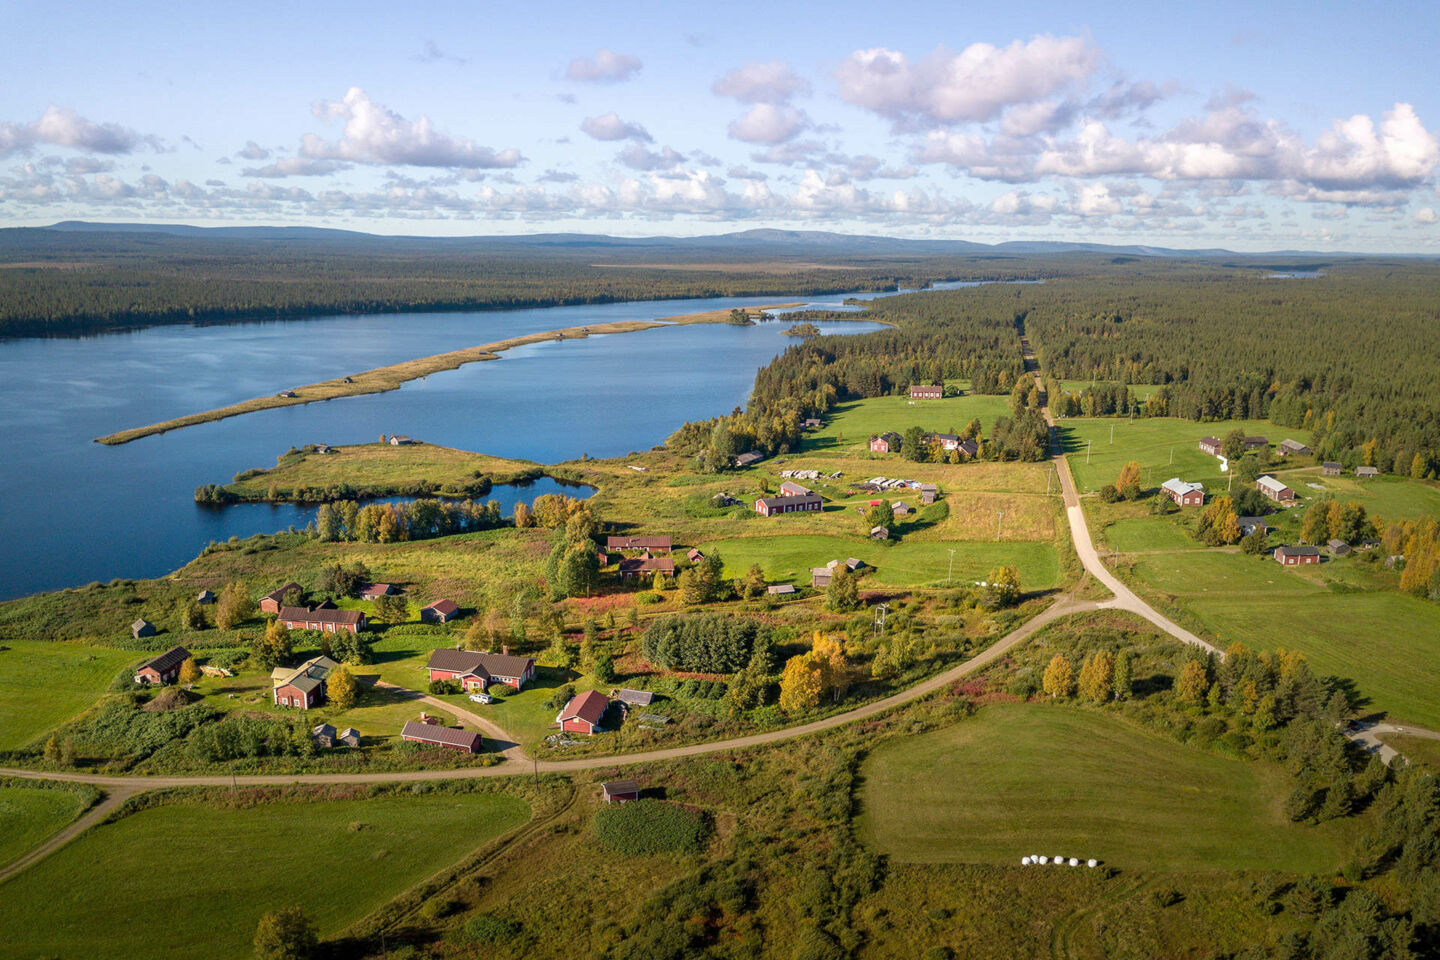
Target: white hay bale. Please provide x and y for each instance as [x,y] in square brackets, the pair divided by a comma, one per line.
[1074,862]
[1092,863]
[1057,860]
[1024,861]
[1042,860]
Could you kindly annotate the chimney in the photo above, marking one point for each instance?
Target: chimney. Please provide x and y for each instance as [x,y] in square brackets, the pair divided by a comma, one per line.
[504,650]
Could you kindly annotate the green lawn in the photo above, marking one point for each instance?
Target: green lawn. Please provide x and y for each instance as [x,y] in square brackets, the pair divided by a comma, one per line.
[1152,443]
[30,814]
[1421,750]
[1140,391]
[1394,498]
[1388,643]
[854,421]
[210,874]
[44,684]
[1148,533]
[1065,781]
[907,563]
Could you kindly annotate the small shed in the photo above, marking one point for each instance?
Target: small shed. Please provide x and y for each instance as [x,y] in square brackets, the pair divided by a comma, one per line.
[324,735]
[694,556]
[879,533]
[928,492]
[634,698]
[372,590]
[1338,548]
[349,737]
[820,577]
[204,597]
[142,628]
[1367,472]
[466,741]
[583,713]
[1331,469]
[441,611]
[620,791]
[162,669]
[900,508]
[780,589]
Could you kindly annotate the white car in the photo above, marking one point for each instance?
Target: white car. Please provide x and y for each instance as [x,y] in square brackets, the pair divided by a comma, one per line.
[481,698]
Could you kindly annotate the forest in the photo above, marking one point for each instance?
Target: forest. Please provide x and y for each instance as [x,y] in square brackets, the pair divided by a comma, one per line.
[63,282]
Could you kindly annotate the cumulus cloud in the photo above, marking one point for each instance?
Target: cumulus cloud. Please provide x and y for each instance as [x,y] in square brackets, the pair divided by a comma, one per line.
[376,134]
[1426,215]
[609,126]
[637,157]
[769,123]
[754,82]
[253,151]
[606,66]
[63,127]
[296,167]
[975,85]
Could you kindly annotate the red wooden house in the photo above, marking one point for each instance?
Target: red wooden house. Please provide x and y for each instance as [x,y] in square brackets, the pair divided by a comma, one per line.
[270,603]
[926,391]
[583,713]
[1295,556]
[441,611]
[885,443]
[162,669]
[771,506]
[302,687]
[1184,494]
[324,620]
[476,671]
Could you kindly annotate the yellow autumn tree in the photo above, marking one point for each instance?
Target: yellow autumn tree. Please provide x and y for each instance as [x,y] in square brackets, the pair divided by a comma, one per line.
[1059,679]
[801,684]
[1097,677]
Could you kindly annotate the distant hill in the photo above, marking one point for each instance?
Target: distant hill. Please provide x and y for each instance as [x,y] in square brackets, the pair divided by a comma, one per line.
[778,242]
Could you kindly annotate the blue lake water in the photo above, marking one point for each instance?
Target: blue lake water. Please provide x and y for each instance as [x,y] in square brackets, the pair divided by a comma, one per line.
[77,511]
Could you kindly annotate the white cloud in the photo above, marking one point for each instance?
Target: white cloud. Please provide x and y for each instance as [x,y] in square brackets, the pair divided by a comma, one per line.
[772,82]
[609,126]
[606,66]
[1426,215]
[1095,201]
[637,157]
[974,85]
[63,127]
[296,167]
[769,123]
[376,134]
[253,151]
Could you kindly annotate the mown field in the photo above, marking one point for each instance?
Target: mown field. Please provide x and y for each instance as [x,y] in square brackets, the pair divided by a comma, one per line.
[854,421]
[44,684]
[28,815]
[1152,443]
[1388,643]
[209,874]
[789,559]
[378,466]
[1058,780]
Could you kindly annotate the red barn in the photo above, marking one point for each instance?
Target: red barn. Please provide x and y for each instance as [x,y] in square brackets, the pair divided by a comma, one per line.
[436,736]
[441,611]
[270,603]
[327,621]
[476,671]
[583,713]
[162,669]
[620,791]
[771,506]
[926,391]
[645,567]
[1294,556]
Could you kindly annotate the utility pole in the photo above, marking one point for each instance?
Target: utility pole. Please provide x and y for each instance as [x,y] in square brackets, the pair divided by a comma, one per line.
[950,574]
[1172,456]
[1087,453]
[1112,433]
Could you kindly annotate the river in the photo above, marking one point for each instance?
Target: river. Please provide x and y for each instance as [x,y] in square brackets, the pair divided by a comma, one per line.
[78,511]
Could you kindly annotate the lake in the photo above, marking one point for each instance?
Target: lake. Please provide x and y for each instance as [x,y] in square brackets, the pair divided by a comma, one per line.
[78,511]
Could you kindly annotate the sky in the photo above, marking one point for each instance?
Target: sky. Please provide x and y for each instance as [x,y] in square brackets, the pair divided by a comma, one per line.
[1250,126]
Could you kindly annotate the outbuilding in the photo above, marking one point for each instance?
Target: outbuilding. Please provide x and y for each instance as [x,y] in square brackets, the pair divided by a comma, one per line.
[1365,473]
[1293,448]
[324,735]
[620,791]
[1274,489]
[162,669]
[324,620]
[879,533]
[204,597]
[441,611]
[1211,445]
[1338,548]
[1295,556]
[142,628]
[349,737]
[271,602]
[1183,493]
[634,698]
[583,713]
[1331,469]
[780,589]
[774,506]
[451,738]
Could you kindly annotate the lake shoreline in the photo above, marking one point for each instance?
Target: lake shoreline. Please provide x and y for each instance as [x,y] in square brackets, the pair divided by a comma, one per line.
[392,377]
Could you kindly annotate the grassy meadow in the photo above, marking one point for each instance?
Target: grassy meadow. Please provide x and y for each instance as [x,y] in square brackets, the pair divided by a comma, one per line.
[1152,443]
[211,873]
[1384,641]
[29,815]
[854,421]
[372,466]
[44,684]
[1058,780]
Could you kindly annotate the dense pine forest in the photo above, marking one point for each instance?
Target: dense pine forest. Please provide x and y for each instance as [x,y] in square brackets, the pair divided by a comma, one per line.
[58,282]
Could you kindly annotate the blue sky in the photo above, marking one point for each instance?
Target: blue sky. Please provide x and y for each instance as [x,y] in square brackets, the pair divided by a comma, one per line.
[1293,126]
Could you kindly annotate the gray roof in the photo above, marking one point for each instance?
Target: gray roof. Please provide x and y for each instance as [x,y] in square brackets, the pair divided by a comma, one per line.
[170,658]
[613,787]
[433,733]
[324,730]
[1304,550]
[782,501]
[780,588]
[640,698]
[481,664]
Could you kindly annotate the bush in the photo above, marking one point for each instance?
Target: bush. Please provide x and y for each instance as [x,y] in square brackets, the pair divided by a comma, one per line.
[1109,493]
[488,928]
[439,688]
[432,910]
[649,597]
[649,826]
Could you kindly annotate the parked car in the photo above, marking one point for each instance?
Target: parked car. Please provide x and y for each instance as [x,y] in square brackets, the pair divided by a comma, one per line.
[481,698]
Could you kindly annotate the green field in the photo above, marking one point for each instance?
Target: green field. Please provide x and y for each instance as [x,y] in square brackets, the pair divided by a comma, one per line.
[1152,443]
[1065,781]
[30,814]
[854,421]
[1393,498]
[1144,534]
[209,874]
[44,684]
[907,563]
[1421,750]
[1388,643]
[1140,391]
